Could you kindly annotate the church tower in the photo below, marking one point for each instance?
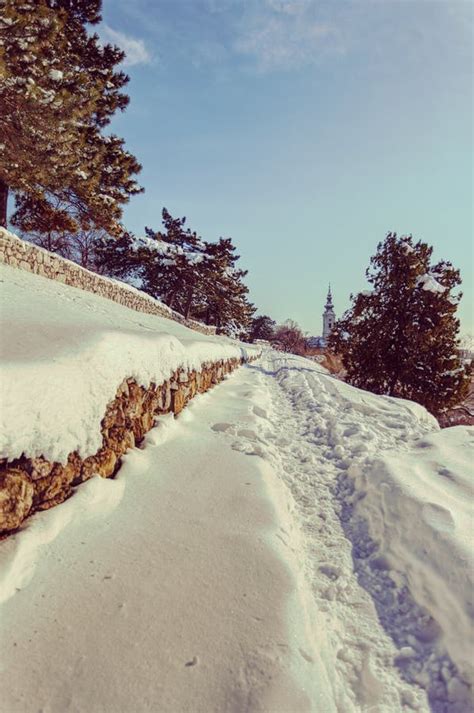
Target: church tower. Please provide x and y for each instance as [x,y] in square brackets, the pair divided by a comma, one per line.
[329,316]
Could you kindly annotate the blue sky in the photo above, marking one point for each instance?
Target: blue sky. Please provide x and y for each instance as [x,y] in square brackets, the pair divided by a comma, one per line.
[305,130]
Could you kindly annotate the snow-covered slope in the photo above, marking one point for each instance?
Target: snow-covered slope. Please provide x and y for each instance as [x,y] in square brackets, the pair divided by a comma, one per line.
[419,506]
[63,354]
[289,543]
[382,493]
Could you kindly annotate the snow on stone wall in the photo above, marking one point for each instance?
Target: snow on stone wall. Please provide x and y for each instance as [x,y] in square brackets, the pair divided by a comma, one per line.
[25,256]
[31,484]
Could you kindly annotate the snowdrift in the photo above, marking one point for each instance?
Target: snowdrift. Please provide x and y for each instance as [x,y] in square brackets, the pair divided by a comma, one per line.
[65,353]
[419,506]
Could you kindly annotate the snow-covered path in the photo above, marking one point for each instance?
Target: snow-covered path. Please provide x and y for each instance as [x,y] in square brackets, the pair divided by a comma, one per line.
[319,430]
[222,570]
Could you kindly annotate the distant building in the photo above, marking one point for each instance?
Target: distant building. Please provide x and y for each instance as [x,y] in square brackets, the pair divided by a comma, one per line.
[329,316]
[329,319]
[316,342]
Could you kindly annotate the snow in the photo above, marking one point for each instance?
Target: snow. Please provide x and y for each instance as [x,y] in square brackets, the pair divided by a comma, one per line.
[420,509]
[158,246]
[170,250]
[430,284]
[453,372]
[56,379]
[195,258]
[210,619]
[105,198]
[289,543]
[56,75]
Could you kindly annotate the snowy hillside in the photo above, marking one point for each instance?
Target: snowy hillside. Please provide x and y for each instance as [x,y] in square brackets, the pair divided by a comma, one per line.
[289,543]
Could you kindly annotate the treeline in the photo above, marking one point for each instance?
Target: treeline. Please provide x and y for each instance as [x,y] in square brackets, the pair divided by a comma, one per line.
[59,88]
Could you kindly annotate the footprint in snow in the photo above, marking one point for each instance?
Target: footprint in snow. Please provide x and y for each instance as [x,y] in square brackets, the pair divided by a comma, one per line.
[306,656]
[249,449]
[331,571]
[221,427]
[239,446]
[194,661]
[248,433]
[351,431]
[437,517]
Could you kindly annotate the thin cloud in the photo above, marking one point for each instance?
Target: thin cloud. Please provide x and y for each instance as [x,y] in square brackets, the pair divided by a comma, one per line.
[289,7]
[271,36]
[286,34]
[135,49]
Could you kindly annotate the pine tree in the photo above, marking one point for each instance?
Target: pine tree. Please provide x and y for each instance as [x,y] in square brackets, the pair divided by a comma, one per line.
[175,270]
[401,338]
[197,278]
[120,257]
[225,295]
[58,90]
[262,327]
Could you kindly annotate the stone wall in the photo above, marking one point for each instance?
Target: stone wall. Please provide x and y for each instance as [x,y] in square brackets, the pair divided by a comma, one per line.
[25,256]
[31,484]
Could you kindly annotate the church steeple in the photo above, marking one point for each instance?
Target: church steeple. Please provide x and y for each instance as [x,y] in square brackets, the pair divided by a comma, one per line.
[329,303]
[329,316]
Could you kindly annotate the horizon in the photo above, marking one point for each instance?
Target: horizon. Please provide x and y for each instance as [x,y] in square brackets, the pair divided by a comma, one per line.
[306,132]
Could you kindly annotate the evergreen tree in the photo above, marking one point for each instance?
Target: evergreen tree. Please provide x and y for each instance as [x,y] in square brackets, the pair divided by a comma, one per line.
[58,90]
[120,257]
[197,278]
[225,295]
[401,338]
[175,269]
[262,327]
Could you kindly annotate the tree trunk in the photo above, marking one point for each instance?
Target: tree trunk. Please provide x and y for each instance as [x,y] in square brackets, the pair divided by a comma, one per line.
[3,203]
[393,383]
[187,310]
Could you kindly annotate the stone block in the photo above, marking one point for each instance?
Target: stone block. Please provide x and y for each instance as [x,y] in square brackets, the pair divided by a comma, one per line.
[56,500]
[16,498]
[56,485]
[178,401]
[147,422]
[40,468]
[102,463]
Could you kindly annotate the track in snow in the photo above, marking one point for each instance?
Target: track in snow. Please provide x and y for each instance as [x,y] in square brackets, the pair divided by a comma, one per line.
[312,436]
